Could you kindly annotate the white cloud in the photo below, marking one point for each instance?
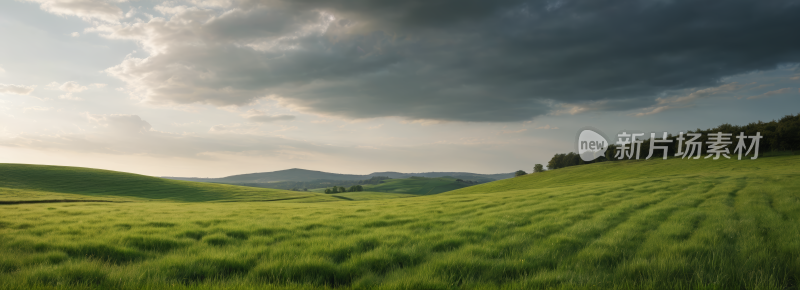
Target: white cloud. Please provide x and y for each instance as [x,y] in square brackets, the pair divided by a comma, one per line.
[571,109]
[120,123]
[655,110]
[70,97]
[211,3]
[193,123]
[2,70]
[36,108]
[269,118]
[547,127]
[124,134]
[574,109]
[16,89]
[213,57]
[683,101]
[85,9]
[249,129]
[762,86]
[703,93]
[770,93]
[70,88]
[75,34]
[254,115]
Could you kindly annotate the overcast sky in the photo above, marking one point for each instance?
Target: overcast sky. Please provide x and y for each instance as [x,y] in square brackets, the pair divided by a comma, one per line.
[211,88]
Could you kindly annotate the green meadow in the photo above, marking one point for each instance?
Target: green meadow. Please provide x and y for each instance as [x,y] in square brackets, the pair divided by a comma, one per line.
[418,185]
[412,186]
[655,224]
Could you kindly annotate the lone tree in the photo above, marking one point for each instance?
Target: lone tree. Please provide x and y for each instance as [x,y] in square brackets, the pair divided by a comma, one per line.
[538,168]
[519,173]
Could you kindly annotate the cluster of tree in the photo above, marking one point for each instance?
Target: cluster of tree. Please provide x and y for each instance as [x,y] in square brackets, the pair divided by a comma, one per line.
[570,159]
[536,168]
[781,135]
[338,189]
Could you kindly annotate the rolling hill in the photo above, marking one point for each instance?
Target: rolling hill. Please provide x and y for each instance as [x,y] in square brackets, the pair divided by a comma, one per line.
[311,175]
[648,224]
[418,185]
[38,182]
[413,186]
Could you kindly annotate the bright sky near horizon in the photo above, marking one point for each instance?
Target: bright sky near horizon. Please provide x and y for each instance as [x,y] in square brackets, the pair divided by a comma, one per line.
[211,88]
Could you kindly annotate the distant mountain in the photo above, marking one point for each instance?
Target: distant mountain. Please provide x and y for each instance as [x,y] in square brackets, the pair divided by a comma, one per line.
[296,174]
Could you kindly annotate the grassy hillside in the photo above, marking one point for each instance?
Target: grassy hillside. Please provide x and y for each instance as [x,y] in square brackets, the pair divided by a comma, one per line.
[32,182]
[417,185]
[674,224]
[643,170]
[367,195]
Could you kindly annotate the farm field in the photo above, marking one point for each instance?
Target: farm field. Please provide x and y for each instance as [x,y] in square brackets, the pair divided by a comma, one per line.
[655,224]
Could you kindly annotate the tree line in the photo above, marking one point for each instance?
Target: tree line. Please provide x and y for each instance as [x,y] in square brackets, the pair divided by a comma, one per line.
[338,189]
[777,136]
[536,168]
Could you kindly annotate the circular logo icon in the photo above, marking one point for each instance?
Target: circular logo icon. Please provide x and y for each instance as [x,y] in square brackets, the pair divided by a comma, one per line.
[591,144]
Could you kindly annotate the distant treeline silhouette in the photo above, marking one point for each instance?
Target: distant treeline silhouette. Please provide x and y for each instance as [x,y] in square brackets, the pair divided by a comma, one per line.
[782,135]
[338,189]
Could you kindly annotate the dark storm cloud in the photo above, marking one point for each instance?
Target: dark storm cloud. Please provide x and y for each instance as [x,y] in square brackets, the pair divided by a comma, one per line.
[411,14]
[469,60]
[258,23]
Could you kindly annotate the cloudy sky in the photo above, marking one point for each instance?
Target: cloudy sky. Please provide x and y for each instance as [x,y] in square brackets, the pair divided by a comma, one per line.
[211,88]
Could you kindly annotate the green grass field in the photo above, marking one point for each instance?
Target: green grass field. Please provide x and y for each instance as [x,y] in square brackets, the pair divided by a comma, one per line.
[418,185]
[674,224]
[368,195]
[411,186]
